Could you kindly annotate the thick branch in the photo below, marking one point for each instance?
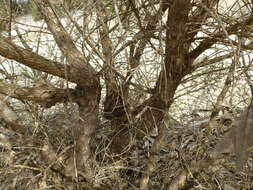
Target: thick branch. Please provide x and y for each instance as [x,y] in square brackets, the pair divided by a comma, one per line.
[44,94]
[28,58]
[177,65]
[177,62]
[113,101]
[84,71]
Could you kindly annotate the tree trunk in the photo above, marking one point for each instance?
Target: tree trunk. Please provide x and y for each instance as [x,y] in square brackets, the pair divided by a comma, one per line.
[84,132]
[177,64]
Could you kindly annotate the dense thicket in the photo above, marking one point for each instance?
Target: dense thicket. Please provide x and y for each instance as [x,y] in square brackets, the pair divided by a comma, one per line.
[129,94]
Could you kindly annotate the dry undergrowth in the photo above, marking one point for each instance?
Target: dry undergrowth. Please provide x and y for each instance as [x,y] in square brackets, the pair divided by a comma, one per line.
[183,162]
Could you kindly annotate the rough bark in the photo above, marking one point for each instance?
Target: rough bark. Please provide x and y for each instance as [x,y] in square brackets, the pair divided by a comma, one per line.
[28,58]
[84,133]
[87,86]
[42,93]
[176,65]
[83,70]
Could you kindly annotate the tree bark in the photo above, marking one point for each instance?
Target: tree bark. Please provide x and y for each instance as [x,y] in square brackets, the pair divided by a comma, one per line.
[176,65]
[88,87]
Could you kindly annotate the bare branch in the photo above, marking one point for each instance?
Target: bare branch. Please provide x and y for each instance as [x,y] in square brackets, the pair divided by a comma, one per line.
[176,66]
[44,94]
[74,57]
[217,59]
[208,42]
[28,58]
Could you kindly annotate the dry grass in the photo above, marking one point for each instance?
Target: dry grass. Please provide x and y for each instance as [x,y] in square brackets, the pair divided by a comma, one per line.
[184,156]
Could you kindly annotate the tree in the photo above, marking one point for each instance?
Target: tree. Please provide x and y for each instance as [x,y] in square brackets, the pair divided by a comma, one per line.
[128,32]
